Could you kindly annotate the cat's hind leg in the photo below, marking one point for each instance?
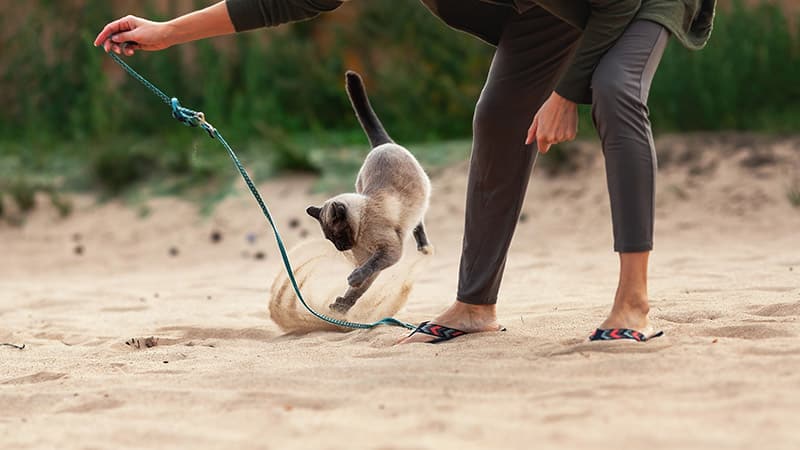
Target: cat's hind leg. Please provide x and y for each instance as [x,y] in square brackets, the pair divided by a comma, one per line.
[423,245]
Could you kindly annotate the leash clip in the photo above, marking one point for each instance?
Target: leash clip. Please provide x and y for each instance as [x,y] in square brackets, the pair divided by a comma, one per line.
[202,123]
[191,118]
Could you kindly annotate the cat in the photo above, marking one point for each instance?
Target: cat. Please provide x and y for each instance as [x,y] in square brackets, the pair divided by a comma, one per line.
[391,199]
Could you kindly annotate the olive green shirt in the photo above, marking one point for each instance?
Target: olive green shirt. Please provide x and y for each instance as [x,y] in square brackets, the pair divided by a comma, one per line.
[602,22]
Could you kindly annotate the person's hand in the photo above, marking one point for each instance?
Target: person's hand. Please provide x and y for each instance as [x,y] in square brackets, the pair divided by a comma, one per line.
[556,121]
[146,34]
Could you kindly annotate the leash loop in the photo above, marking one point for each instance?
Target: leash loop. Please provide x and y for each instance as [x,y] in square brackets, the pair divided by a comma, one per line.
[192,118]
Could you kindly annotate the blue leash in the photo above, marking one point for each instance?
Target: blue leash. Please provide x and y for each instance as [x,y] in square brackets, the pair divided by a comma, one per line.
[192,118]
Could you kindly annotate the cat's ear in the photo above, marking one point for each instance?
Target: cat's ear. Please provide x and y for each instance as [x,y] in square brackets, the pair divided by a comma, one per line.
[313,211]
[339,211]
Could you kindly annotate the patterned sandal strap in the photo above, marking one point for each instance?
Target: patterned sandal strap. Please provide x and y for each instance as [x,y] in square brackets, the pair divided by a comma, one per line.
[440,332]
[613,334]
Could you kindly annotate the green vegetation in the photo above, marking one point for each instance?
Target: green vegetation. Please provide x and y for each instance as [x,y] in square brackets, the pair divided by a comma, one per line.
[72,120]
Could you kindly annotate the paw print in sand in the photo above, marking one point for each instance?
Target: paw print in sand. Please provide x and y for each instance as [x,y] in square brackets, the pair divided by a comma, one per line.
[138,343]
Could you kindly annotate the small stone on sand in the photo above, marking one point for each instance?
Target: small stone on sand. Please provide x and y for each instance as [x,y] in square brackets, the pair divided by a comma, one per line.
[216,236]
[78,250]
[260,255]
[173,251]
[294,223]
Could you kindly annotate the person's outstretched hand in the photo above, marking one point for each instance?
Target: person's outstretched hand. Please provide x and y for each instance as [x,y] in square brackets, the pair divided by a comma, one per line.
[141,34]
[556,121]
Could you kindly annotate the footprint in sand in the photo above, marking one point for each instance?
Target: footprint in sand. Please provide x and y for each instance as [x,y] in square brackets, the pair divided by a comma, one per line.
[39,377]
[140,343]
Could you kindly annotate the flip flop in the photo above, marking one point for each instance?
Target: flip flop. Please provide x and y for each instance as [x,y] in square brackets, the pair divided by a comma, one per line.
[440,332]
[614,334]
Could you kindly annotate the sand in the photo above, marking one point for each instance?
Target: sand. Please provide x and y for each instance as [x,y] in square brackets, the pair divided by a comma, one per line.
[725,287]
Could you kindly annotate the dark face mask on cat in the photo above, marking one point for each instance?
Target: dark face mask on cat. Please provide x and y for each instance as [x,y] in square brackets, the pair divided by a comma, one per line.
[334,224]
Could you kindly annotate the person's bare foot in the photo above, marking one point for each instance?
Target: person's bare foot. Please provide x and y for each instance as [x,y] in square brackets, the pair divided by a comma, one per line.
[461,316]
[630,314]
[631,305]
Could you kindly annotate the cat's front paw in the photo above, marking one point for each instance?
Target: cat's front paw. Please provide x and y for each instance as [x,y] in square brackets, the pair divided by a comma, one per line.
[340,306]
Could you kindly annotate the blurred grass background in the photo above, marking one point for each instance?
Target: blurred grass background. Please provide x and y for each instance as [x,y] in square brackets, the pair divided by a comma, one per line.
[72,120]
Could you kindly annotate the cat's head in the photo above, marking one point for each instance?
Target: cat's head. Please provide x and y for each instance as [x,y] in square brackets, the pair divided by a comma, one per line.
[339,218]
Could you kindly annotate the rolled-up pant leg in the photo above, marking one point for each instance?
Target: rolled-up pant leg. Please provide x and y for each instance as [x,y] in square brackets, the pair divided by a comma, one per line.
[620,86]
[530,56]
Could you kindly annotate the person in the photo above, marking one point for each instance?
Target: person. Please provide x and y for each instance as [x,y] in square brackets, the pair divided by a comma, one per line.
[550,56]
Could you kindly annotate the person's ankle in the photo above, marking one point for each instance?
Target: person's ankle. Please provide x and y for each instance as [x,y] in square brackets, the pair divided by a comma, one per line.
[628,314]
[635,302]
[469,317]
[638,308]
[485,310]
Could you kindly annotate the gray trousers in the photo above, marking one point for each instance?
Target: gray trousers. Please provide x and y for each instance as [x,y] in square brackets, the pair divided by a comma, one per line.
[532,52]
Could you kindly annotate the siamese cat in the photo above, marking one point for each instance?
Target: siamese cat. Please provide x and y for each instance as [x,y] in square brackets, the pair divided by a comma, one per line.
[391,198]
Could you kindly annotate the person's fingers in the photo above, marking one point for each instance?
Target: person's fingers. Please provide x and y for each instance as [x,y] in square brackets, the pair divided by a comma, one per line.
[543,144]
[106,45]
[532,131]
[125,36]
[123,24]
[128,51]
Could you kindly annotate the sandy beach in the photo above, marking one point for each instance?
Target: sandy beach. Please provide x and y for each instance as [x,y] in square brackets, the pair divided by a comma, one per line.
[725,288]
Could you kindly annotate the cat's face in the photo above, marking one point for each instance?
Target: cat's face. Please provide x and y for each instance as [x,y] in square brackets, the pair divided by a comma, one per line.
[336,219]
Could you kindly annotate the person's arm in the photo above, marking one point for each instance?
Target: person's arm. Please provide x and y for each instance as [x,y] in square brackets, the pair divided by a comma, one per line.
[606,22]
[225,17]
[149,35]
[251,14]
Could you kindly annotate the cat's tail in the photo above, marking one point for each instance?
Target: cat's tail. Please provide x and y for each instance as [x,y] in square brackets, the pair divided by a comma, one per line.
[366,115]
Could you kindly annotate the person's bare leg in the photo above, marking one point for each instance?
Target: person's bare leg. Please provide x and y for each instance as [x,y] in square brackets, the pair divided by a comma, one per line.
[631,305]
[464,317]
